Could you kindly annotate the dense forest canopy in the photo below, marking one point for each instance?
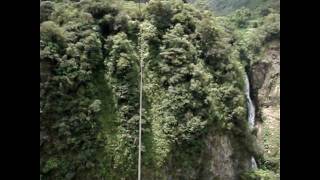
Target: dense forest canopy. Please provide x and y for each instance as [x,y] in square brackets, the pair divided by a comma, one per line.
[195,65]
[225,7]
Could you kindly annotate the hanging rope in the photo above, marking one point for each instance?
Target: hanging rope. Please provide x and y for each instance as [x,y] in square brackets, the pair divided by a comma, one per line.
[141,85]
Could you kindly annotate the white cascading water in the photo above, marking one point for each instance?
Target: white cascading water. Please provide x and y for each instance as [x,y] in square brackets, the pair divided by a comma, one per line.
[251,114]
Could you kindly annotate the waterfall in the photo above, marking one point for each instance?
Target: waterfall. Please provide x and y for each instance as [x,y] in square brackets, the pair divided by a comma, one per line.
[251,114]
[251,109]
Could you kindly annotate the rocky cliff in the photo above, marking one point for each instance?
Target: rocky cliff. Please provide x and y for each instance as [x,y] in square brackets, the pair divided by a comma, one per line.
[265,77]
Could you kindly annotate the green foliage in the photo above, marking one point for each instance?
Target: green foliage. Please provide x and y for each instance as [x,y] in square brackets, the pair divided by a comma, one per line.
[258,32]
[202,4]
[46,8]
[226,7]
[160,13]
[69,103]
[50,32]
[271,26]
[89,99]
[249,43]
[123,73]
[259,175]
[50,165]
[100,8]
[241,17]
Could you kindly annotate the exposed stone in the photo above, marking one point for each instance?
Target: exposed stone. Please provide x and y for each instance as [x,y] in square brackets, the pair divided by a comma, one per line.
[218,156]
[265,75]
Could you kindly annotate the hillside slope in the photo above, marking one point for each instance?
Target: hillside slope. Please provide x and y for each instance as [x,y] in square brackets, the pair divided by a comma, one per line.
[224,7]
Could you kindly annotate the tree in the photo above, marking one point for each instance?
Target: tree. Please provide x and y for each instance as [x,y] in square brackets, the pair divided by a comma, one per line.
[46,8]
[240,17]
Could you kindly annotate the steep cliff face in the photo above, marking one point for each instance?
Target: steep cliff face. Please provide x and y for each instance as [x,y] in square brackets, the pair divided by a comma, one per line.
[265,77]
[194,107]
[221,159]
[219,150]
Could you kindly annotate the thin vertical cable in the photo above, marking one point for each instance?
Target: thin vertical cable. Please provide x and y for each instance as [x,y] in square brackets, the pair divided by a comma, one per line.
[141,85]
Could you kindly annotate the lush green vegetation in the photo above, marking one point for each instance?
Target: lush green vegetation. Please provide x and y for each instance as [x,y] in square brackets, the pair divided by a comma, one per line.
[253,32]
[225,7]
[259,175]
[89,99]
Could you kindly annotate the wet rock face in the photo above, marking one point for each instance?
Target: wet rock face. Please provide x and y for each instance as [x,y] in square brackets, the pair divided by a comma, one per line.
[223,159]
[219,159]
[259,70]
[265,77]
